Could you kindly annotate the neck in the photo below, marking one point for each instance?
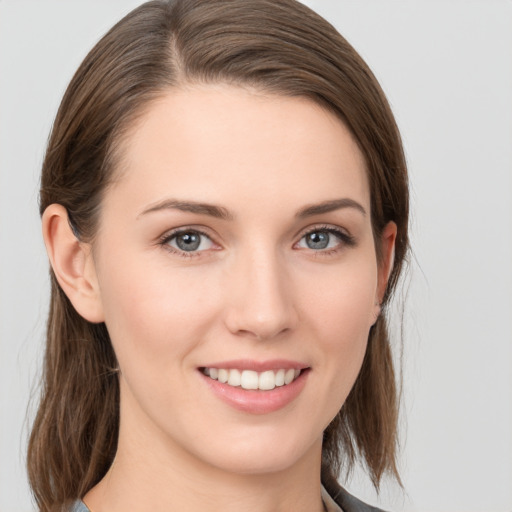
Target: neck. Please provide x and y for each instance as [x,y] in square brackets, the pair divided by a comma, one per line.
[160,476]
[140,484]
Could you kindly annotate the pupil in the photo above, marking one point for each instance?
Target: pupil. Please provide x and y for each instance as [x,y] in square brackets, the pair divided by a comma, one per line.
[188,241]
[318,240]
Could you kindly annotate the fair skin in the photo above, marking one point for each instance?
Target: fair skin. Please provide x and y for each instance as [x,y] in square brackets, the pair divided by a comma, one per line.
[275,270]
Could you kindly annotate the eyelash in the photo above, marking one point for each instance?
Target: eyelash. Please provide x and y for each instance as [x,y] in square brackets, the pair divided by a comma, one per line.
[167,237]
[345,239]
[343,236]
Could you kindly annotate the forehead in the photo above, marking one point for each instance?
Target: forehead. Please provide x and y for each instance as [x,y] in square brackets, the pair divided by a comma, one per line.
[226,143]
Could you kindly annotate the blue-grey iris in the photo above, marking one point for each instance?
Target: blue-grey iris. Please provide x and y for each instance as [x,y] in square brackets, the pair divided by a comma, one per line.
[317,240]
[188,241]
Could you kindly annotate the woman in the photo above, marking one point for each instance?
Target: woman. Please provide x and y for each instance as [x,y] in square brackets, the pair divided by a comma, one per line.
[224,203]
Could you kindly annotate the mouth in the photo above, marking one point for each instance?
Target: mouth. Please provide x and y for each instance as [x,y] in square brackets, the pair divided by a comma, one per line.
[256,387]
[253,380]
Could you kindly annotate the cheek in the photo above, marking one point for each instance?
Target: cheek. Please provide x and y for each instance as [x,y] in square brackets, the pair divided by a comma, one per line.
[343,299]
[341,312]
[155,315]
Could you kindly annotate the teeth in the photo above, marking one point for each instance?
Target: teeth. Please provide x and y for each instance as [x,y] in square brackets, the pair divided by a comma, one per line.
[249,379]
[235,378]
[289,376]
[267,380]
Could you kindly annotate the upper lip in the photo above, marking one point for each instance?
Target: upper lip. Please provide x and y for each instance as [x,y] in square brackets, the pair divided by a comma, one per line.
[257,366]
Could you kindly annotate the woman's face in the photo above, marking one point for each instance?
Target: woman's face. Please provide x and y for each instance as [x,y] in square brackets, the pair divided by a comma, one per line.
[237,245]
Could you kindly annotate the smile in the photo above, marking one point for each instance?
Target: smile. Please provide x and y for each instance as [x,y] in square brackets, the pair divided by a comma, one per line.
[253,380]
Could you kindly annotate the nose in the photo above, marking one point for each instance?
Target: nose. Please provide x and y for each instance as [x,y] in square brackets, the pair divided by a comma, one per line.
[260,297]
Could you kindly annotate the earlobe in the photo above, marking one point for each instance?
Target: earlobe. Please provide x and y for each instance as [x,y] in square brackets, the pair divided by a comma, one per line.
[72,263]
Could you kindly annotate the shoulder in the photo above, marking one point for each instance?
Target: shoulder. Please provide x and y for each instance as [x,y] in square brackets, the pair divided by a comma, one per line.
[78,506]
[349,503]
[345,500]
[340,496]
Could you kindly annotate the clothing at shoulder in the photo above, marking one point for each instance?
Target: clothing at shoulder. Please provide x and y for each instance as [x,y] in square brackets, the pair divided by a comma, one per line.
[342,501]
[349,503]
[79,506]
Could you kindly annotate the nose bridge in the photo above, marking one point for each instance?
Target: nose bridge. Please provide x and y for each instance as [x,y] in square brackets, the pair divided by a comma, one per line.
[261,304]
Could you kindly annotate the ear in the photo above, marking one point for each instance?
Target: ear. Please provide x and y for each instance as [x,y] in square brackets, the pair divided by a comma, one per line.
[72,264]
[387,251]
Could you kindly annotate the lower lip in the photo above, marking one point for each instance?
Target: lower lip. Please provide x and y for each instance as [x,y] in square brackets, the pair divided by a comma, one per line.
[257,401]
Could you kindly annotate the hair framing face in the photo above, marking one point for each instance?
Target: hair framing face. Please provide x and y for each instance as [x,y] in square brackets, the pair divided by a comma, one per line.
[280,48]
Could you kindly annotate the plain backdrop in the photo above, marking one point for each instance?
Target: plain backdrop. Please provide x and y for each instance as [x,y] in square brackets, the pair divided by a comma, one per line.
[446,67]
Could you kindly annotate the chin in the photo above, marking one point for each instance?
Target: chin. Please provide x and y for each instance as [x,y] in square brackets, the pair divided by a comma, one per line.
[272,456]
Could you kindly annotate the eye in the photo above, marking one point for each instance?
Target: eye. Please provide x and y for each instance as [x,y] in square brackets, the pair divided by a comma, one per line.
[321,239]
[188,241]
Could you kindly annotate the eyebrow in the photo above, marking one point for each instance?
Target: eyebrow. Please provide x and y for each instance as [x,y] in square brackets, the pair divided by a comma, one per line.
[329,206]
[190,206]
[220,212]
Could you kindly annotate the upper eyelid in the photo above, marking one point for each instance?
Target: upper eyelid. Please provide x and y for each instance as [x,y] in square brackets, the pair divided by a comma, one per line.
[324,227]
[170,233]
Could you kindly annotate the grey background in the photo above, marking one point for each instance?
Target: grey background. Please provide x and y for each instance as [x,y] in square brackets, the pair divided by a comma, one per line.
[447,69]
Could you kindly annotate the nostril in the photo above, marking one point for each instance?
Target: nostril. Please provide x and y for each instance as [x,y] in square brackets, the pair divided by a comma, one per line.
[262,333]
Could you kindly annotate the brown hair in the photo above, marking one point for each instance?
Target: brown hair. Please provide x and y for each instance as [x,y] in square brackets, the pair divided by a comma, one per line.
[279,47]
